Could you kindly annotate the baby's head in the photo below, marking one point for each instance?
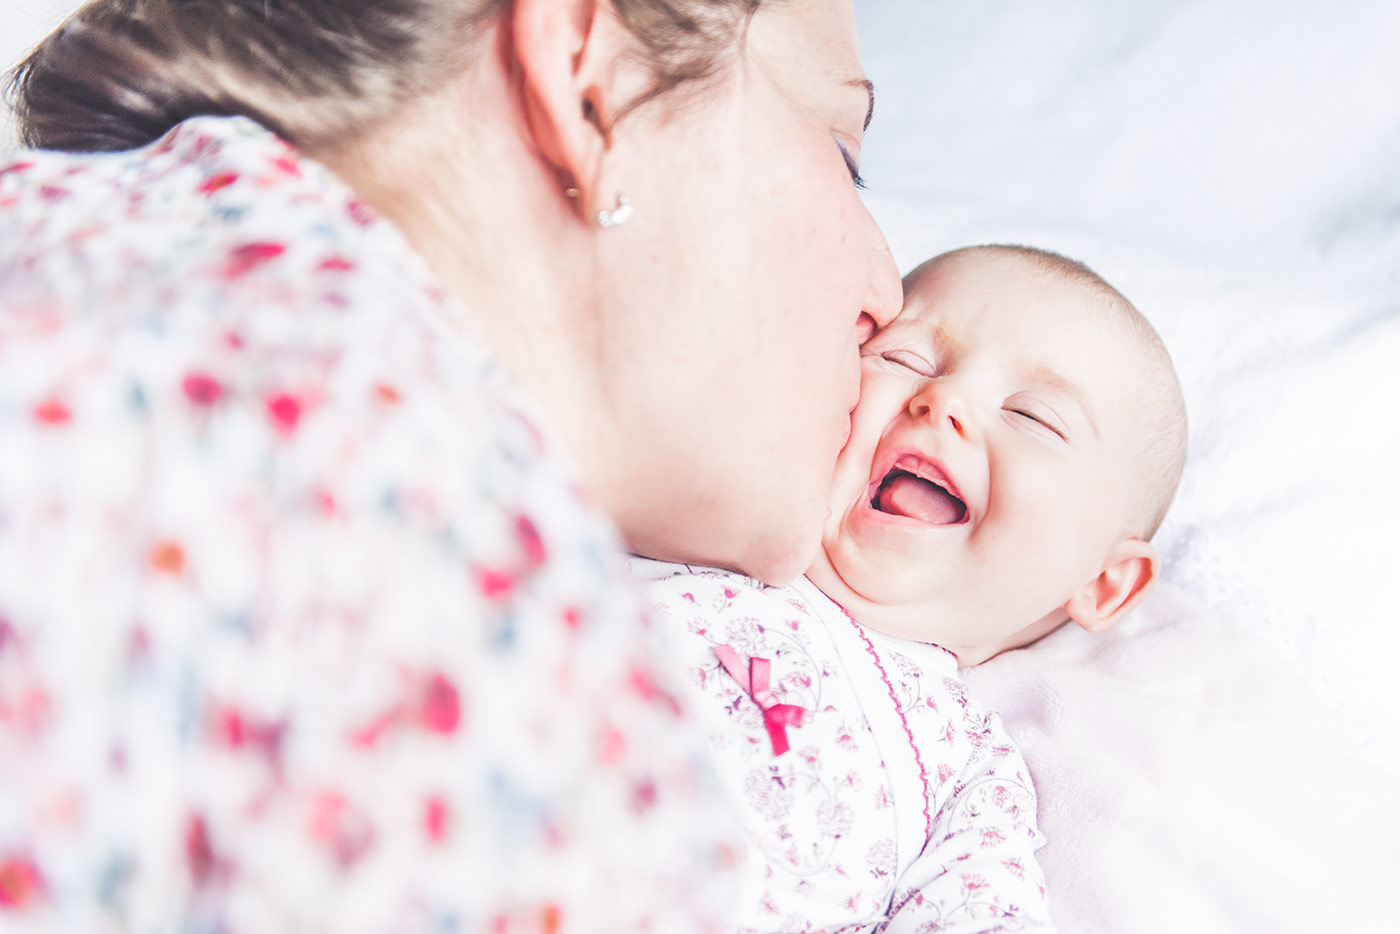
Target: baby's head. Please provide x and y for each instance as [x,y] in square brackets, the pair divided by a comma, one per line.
[1019,437]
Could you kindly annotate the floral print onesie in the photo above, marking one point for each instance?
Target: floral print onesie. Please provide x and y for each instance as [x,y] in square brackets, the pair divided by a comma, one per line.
[303,624]
[897,805]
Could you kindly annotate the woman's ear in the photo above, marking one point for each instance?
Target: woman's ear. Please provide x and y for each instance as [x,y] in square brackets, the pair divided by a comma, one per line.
[574,78]
[1125,577]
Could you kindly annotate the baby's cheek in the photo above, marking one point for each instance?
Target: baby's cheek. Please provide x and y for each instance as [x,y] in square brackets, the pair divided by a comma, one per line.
[852,468]
[1033,505]
[872,417]
[869,420]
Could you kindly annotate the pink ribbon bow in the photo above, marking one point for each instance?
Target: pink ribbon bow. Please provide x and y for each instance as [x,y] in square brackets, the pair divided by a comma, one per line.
[776,717]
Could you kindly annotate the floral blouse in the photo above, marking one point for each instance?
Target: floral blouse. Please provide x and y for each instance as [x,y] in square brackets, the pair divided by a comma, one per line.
[303,623]
[876,794]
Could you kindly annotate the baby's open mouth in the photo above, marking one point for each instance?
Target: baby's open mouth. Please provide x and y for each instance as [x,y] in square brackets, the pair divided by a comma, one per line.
[927,498]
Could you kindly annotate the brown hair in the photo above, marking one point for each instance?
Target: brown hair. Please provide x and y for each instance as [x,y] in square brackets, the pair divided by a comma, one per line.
[120,73]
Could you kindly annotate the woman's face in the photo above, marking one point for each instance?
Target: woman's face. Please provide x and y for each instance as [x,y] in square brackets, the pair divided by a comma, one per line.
[738,295]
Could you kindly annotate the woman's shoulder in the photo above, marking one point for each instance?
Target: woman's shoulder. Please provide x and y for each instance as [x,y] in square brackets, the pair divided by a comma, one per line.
[217,213]
[214,313]
[218,268]
[305,514]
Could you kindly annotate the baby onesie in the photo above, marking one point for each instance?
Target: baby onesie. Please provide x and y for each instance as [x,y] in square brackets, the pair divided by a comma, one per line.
[876,795]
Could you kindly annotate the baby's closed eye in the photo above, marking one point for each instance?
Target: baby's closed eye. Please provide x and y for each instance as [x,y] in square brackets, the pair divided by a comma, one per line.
[1035,414]
[911,361]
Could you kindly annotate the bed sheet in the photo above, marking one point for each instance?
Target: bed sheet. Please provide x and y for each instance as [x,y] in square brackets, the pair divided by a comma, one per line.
[1228,758]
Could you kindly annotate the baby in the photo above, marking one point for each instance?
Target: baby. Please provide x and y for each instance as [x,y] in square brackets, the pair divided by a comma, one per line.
[1019,436]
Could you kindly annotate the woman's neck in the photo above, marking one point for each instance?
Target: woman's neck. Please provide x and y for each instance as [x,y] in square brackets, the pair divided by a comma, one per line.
[484,212]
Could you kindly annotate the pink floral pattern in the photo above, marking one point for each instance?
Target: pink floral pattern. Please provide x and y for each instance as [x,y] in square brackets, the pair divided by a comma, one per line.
[303,625]
[902,806]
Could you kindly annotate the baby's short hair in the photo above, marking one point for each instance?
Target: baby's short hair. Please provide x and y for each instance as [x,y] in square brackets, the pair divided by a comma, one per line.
[1159,442]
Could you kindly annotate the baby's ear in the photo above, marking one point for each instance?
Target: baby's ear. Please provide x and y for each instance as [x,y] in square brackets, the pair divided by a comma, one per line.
[1127,574]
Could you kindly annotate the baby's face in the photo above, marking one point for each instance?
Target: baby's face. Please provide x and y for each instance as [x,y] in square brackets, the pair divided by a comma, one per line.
[989,466]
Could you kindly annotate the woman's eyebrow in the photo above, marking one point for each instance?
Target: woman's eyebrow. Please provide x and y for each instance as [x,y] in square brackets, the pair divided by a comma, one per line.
[869,87]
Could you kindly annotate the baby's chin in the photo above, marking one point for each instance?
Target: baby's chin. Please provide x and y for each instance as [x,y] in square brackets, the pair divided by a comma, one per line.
[840,580]
[866,595]
[892,619]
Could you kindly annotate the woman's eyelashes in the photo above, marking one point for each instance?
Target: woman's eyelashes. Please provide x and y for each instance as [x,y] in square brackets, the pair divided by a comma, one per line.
[851,165]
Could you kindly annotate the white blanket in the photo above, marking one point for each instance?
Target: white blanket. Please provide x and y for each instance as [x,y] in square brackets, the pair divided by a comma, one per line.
[1228,759]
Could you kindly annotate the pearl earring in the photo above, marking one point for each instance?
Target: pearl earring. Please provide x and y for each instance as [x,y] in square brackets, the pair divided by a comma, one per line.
[618,215]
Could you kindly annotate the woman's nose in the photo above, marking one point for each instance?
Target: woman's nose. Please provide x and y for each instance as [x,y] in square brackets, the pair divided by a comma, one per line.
[865,328]
[886,293]
[939,402]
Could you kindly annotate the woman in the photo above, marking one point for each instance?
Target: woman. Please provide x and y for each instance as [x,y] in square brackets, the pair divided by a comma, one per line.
[303,625]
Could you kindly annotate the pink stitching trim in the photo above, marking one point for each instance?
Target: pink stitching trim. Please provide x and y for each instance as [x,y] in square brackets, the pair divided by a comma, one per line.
[923,772]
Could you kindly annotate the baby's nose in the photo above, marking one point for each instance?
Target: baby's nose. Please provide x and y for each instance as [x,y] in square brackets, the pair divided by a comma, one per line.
[939,402]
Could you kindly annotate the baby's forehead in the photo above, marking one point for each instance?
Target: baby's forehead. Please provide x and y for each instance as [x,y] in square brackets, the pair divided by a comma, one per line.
[991,268]
[1042,326]
[989,295]
[1034,307]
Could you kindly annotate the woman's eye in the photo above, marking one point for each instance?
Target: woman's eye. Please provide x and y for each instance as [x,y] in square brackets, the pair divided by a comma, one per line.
[851,164]
[908,360]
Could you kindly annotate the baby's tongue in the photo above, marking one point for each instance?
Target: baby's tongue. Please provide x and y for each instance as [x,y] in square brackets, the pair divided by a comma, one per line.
[907,495]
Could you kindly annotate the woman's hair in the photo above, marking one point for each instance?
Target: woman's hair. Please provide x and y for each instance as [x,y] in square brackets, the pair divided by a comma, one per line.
[120,73]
